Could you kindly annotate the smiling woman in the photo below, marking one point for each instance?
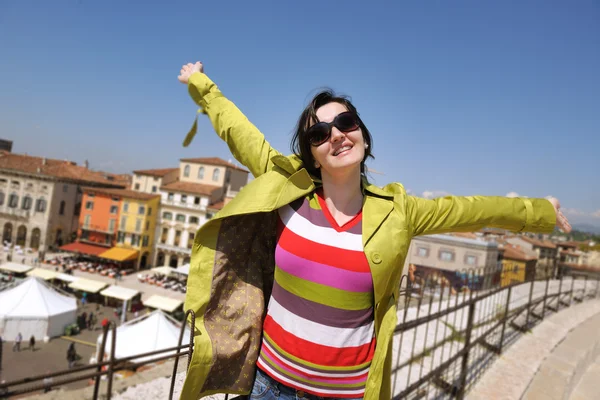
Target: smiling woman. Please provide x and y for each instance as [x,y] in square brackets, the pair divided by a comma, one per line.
[294,282]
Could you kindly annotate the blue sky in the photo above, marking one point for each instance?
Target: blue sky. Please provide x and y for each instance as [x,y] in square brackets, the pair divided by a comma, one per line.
[461,97]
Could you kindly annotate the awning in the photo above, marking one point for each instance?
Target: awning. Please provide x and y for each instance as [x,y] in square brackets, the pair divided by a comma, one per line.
[66,277]
[120,254]
[88,285]
[15,268]
[184,269]
[163,303]
[78,247]
[45,274]
[163,270]
[119,292]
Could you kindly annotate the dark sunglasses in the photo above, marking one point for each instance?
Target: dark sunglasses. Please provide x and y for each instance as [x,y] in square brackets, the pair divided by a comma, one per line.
[320,132]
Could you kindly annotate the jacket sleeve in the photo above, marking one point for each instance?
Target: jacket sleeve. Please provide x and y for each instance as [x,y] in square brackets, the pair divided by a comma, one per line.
[247,144]
[466,214]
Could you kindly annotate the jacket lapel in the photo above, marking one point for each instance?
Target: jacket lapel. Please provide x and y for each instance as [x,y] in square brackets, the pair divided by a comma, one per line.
[378,205]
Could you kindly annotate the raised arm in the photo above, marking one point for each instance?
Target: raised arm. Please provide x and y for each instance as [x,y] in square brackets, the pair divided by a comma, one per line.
[247,144]
[466,214]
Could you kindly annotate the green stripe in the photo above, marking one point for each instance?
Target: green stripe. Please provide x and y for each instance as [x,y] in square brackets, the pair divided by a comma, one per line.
[323,294]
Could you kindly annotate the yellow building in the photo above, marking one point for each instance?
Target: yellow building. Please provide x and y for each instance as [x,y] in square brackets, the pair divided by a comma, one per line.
[517,266]
[137,225]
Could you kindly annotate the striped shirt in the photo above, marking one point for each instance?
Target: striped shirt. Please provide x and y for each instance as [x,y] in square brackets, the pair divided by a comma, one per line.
[318,335]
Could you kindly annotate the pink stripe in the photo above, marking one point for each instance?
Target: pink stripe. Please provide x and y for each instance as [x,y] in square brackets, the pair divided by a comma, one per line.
[360,282]
[316,379]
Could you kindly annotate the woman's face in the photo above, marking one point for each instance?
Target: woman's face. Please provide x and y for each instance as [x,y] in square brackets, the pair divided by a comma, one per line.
[344,151]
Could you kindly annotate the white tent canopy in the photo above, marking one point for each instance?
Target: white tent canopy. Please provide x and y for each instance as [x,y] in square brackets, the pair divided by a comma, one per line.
[162,303]
[164,270]
[184,269]
[120,292]
[34,308]
[14,267]
[150,332]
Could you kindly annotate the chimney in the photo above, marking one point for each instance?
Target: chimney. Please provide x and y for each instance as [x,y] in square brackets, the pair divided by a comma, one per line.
[86,164]
[44,161]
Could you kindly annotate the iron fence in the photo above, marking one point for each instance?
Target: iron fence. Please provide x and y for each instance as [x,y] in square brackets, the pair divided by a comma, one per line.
[451,327]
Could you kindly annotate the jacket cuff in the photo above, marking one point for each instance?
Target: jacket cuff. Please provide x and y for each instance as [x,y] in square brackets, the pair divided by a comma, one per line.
[202,89]
[541,216]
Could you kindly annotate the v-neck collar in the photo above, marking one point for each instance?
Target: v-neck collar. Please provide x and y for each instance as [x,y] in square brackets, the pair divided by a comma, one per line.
[347,226]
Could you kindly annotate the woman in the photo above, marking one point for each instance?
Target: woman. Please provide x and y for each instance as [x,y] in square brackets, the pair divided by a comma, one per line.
[323,248]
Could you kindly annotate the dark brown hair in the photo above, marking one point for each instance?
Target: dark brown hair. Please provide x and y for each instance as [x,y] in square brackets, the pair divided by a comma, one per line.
[300,144]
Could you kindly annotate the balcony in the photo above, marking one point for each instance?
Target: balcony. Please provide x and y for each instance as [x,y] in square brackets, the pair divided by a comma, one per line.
[173,203]
[15,213]
[175,249]
[98,228]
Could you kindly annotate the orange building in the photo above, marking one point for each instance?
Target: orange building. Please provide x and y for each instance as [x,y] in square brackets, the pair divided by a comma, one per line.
[99,217]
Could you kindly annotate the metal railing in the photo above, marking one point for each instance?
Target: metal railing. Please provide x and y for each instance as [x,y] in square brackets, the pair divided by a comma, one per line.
[452,326]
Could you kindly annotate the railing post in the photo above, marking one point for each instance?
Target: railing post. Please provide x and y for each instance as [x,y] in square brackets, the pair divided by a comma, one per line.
[529,302]
[572,288]
[545,293]
[500,346]
[465,358]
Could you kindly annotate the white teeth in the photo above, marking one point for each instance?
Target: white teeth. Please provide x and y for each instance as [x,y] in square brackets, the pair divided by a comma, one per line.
[342,149]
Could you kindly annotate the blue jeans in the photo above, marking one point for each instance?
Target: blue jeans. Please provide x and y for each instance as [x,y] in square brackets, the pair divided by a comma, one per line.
[267,388]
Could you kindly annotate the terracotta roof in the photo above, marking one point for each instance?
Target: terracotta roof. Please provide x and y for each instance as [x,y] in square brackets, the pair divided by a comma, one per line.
[60,169]
[217,206]
[513,252]
[213,161]
[128,194]
[468,235]
[155,172]
[569,244]
[189,187]
[539,243]
[570,253]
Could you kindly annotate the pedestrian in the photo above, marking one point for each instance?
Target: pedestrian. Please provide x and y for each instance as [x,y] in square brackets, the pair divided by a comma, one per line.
[17,345]
[71,355]
[90,320]
[32,343]
[323,247]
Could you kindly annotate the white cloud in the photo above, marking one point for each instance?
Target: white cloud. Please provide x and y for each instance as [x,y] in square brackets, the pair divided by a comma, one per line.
[574,212]
[512,194]
[596,214]
[431,194]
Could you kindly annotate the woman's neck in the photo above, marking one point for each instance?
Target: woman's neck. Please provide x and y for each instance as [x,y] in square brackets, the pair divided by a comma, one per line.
[343,195]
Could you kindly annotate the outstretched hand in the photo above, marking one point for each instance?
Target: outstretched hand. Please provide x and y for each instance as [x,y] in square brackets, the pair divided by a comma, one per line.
[561,221]
[188,69]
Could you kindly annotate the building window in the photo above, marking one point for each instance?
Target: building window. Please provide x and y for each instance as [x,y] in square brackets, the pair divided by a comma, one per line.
[186,171]
[77,209]
[154,189]
[446,255]
[13,201]
[27,203]
[138,225]
[149,211]
[194,220]
[125,207]
[120,237]
[40,205]
[167,215]
[2,195]
[209,215]
[184,198]
[201,173]
[470,260]
[216,174]
[164,235]
[111,225]
[65,188]
[145,241]
[91,195]
[190,243]
[114,209]
[147,225]
[86,221]
[137,186]
[135,240]
[116,199]
[89,205]
[180,218]
[177,237]
[141,210]
[423,252]
[170,196]
[196,200]
[123,223]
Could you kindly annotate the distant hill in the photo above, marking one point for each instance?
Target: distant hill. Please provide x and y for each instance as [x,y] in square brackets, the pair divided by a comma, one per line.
[588,228]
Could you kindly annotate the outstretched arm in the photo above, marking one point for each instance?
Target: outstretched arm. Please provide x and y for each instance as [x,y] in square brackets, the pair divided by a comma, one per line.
[247,144]
[465,214]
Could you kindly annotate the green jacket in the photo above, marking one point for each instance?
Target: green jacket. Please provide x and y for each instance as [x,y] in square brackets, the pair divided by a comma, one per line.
[232,265]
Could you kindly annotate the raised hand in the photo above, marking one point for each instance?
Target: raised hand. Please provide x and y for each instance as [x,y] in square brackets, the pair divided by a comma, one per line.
[188,69]
[561,221]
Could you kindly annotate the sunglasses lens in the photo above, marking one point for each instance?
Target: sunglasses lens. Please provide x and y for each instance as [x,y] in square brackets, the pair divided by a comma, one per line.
[318,133]
[346,122]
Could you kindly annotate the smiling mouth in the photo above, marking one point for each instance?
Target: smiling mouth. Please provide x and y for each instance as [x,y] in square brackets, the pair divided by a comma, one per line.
[342,150]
